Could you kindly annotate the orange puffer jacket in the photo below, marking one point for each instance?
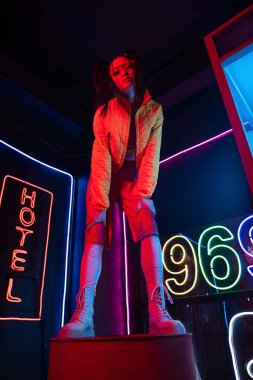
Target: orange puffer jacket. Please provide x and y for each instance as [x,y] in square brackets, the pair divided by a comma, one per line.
[111,131]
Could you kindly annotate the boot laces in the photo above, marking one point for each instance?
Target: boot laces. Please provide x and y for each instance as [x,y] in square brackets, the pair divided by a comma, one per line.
[157,296]
[82,305]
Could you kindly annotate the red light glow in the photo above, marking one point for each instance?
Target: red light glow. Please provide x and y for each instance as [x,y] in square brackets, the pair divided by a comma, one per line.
[26,210]
[24,232]
[9,297]
[27,219]
[15,259]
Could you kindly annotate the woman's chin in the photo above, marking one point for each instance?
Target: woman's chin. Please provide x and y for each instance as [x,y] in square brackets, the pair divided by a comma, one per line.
[128,87]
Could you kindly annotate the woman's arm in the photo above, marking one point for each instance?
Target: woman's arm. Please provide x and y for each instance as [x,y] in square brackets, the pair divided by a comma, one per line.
[148,172]
[100,164]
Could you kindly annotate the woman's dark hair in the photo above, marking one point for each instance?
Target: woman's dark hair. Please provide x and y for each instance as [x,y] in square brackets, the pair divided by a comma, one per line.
[104,85]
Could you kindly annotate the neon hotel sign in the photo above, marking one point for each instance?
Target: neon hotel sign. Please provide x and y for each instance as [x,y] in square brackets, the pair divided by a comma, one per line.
[25,214]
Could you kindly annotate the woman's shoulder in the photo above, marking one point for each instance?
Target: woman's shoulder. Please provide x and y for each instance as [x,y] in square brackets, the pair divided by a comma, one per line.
[100,111]
[155,103]
[104,108]
[149,101]
[153,106]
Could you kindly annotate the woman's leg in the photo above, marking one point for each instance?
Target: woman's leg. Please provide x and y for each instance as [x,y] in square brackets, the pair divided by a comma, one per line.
[91,266]
[151,261]
[141,217]
[81,323]
[160,322]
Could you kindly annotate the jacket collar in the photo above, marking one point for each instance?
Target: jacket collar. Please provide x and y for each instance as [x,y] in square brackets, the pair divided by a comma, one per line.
[146,98]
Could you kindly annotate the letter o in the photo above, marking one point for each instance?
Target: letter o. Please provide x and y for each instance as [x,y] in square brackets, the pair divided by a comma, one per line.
[26,222]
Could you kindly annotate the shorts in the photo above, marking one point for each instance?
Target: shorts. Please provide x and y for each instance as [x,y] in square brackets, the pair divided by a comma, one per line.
[140,213]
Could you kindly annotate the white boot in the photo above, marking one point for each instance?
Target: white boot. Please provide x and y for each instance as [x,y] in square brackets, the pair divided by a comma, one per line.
[160,322]
[81,324]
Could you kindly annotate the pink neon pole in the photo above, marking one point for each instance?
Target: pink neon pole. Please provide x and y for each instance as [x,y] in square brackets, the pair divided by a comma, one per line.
[197,146]
[126,274]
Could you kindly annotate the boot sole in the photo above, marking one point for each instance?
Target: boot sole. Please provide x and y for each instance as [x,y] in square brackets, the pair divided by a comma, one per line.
[157,331]
[76,334]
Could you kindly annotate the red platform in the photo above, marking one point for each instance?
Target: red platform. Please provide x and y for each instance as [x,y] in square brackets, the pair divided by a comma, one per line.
[123,358]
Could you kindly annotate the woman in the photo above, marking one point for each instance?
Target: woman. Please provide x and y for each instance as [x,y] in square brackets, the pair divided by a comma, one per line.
[124,167]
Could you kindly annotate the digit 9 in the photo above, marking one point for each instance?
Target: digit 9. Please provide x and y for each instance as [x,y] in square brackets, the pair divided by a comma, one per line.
[179,260]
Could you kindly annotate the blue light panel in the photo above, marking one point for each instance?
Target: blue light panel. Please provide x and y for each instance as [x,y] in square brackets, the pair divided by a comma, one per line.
[239,74]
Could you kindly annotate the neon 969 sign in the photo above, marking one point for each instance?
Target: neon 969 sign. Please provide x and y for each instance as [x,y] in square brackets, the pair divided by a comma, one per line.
[217,259]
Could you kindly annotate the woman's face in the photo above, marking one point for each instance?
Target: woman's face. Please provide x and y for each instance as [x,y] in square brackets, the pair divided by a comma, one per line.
[122,72]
